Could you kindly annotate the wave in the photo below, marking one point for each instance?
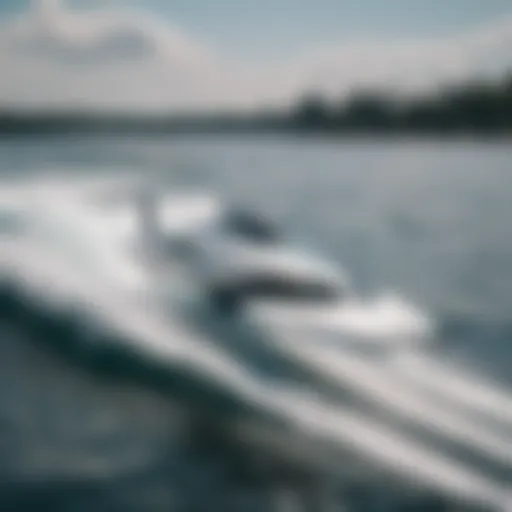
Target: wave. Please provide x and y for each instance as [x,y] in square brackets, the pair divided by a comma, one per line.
[100,308]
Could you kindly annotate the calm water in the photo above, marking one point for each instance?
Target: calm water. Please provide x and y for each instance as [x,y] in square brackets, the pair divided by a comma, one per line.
[429,221]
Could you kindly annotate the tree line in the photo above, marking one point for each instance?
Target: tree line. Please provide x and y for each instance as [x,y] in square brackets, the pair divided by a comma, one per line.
[476,107]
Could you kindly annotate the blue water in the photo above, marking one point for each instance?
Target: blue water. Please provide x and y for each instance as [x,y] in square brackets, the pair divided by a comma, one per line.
[429,221]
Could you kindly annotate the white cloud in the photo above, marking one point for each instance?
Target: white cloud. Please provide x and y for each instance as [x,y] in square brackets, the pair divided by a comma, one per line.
[50,31]
[56,56]
[407,65]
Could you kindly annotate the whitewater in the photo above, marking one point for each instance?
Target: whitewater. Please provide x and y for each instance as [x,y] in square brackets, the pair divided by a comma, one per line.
[70,253]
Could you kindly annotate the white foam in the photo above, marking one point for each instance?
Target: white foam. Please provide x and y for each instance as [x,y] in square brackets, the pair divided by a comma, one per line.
[451,384]
[380,387]
[113,295]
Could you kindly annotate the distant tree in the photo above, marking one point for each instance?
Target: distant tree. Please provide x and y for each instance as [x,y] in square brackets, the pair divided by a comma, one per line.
[476,106]
[313,112]
[368,111]
[506,102]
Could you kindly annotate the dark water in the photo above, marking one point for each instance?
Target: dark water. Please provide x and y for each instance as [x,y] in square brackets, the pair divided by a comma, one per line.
[427,220]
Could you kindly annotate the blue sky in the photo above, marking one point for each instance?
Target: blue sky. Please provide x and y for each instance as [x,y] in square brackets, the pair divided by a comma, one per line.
[279,25]
[269,28]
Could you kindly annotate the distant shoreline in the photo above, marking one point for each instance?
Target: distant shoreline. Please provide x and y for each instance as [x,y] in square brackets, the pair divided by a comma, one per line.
[243,132]
[474,110]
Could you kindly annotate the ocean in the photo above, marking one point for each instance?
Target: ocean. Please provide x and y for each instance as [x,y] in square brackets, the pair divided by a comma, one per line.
[426,223]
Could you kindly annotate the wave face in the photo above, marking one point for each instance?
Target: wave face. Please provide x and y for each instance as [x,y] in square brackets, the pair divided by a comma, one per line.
[76,283]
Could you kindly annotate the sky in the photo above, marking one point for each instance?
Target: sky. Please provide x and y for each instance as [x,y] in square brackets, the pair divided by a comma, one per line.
[196,54]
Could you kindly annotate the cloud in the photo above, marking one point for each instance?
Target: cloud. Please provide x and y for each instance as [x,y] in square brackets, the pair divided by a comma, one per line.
[406,66]
[51,32]
[53,56]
